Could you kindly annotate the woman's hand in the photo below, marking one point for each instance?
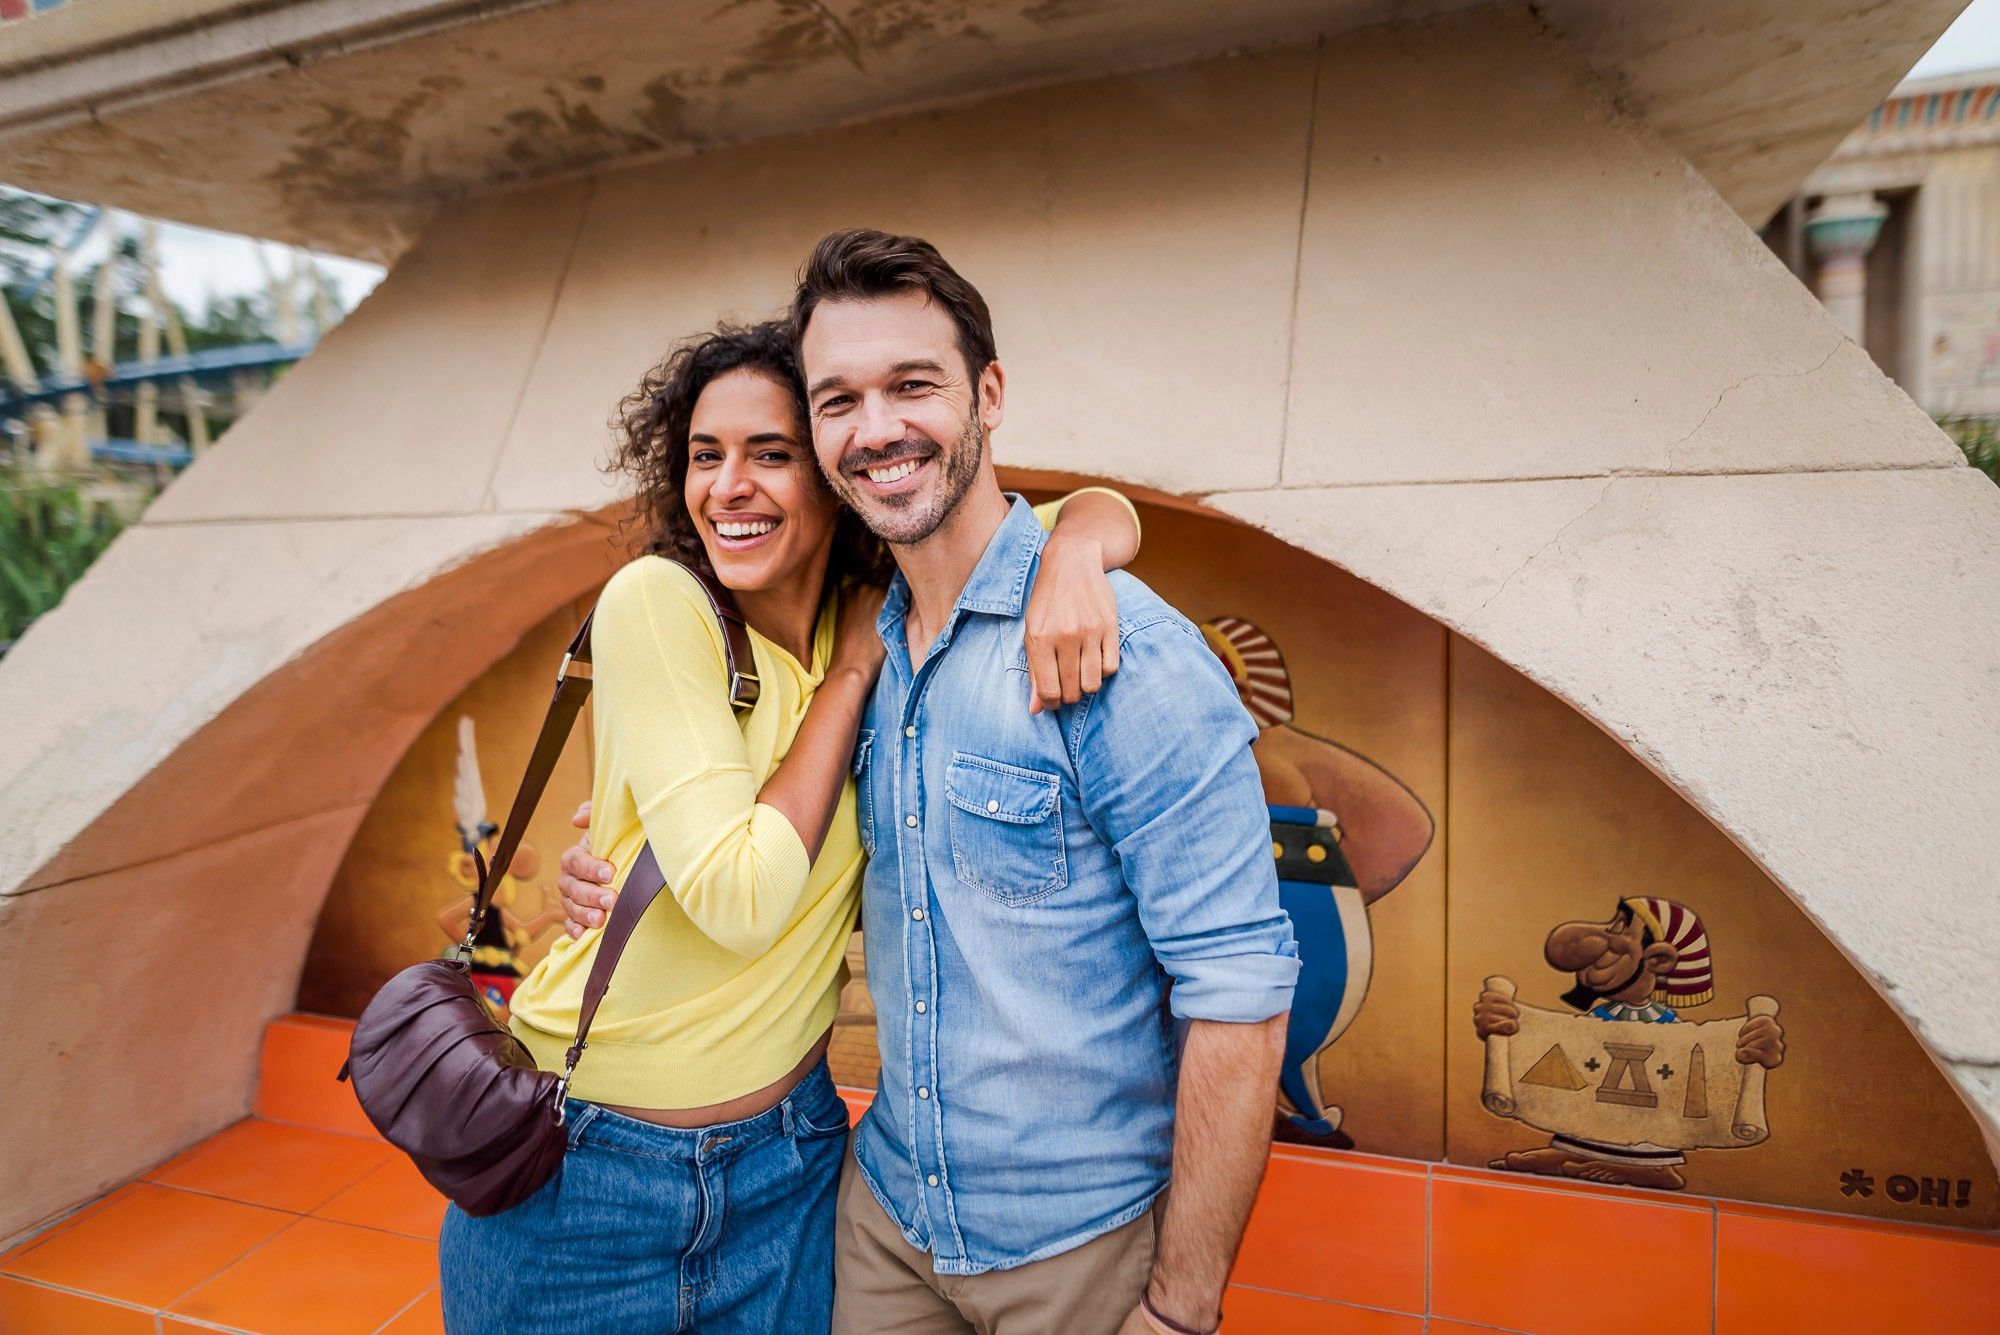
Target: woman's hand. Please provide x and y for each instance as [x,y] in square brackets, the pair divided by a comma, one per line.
[1072,628]
[857,645]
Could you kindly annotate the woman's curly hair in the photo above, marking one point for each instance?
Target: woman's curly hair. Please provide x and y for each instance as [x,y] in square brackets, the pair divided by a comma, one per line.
[652,426]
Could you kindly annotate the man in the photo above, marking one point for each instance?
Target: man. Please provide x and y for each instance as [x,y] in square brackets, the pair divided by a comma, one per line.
[1042,887]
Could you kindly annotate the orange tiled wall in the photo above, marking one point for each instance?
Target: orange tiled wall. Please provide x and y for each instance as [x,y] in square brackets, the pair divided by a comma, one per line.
[1346,1242]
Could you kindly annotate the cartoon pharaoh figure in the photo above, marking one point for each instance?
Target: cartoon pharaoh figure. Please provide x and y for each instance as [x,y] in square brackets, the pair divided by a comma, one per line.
[1643,965]
[1345,833]
[502,936]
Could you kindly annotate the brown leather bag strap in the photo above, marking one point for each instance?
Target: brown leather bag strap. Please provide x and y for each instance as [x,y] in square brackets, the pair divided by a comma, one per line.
[572,689]
[737,657]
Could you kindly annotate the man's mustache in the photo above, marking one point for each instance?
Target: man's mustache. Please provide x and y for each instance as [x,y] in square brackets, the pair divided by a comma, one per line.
[909,447]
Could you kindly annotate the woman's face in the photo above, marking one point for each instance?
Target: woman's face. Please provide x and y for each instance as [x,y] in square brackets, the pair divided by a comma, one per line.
[753,490]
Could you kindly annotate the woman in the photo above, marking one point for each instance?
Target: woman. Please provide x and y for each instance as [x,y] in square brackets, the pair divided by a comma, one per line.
[705,1133]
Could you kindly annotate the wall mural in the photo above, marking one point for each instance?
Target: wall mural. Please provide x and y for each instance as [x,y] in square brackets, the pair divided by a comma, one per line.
[1624,1080]
[1345,832]
[404,890]
[1520,949]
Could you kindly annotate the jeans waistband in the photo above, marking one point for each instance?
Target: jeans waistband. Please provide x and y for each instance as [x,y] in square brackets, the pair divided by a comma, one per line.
[594,1124]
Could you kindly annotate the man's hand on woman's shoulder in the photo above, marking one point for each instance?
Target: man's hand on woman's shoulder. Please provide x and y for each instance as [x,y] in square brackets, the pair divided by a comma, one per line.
[585,883]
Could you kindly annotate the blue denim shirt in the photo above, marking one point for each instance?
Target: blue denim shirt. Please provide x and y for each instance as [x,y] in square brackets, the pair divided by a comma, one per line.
[1035,883]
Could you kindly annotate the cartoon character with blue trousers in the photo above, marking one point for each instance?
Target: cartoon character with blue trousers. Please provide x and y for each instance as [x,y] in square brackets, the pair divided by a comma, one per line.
[1345,832]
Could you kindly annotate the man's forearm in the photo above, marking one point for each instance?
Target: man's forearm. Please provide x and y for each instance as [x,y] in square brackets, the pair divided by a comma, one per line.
[1222,1136]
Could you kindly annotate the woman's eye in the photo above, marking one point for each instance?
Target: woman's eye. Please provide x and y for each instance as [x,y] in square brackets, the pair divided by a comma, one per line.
[706,456]
[776,456]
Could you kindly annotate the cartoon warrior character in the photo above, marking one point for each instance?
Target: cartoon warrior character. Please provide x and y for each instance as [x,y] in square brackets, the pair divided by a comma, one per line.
[1651,957]
[1345,832]
[501,936]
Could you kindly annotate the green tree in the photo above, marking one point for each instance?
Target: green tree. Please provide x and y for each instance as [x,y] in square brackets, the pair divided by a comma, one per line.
[1979,437]
[50,532]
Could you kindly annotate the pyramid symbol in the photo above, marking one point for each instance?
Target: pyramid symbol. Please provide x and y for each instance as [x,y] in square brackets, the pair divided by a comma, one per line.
[1555,1071]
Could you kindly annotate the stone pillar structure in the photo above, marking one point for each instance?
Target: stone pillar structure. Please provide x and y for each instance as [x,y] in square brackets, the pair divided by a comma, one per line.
[1840,233]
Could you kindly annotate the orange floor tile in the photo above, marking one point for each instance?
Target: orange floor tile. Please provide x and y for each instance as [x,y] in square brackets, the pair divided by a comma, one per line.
[394,1198]
[318,1278]
[29,1307]
[423,1317]
[296,1168]
[148,1244]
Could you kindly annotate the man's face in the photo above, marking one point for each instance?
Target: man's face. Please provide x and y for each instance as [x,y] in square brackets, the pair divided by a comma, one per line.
[899,428]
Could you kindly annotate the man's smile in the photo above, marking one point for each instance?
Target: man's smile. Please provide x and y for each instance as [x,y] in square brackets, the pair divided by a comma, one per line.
[902,470]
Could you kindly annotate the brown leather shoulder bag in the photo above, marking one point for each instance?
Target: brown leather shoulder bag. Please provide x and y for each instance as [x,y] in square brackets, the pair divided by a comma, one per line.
[437,1073]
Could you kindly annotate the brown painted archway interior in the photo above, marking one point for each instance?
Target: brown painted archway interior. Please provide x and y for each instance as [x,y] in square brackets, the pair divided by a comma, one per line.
[1540,819]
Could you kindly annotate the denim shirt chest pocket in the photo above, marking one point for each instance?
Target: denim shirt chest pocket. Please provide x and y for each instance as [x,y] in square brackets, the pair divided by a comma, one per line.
[1006,828]
[864,789]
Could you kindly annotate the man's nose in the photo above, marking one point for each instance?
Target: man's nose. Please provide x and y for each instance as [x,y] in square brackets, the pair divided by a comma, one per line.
[879,425]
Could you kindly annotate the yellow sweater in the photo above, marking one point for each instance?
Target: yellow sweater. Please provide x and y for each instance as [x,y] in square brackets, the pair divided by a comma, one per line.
[736,970]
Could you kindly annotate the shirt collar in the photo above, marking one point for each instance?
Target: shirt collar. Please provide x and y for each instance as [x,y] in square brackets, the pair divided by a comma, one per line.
[999,583]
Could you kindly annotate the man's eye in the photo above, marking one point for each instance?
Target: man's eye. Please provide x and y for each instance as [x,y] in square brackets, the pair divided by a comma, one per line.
[835,404]
[912,385]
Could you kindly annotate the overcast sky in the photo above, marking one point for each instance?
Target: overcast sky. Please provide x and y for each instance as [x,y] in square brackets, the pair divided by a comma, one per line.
[200,263]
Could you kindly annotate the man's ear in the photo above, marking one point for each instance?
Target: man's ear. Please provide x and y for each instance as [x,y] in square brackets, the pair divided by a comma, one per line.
[1660,958]
[992,396]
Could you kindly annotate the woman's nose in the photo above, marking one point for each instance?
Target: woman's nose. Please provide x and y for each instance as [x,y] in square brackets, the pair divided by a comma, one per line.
[733,480]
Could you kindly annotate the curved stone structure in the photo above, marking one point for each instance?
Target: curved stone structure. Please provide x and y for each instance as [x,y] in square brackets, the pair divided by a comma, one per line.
[1422,301]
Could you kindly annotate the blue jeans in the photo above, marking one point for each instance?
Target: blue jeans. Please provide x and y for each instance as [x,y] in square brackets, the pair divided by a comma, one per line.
[649,1229]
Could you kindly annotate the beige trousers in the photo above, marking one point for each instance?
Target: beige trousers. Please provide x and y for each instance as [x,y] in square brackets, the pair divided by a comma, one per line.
[884,1286]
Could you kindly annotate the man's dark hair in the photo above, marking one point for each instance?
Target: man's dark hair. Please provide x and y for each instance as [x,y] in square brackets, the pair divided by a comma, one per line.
[860,263]
[652,426]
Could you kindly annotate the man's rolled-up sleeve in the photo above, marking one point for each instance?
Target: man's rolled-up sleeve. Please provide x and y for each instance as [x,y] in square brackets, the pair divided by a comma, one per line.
[1163,760]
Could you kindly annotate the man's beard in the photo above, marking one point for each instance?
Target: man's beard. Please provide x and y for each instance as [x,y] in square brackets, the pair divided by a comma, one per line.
[907,519]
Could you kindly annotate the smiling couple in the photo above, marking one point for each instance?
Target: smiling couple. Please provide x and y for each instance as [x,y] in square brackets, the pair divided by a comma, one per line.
[1077,957]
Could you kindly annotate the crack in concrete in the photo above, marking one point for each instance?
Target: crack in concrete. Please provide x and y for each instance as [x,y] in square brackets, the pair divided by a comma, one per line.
[1727,390]
[1299,260]
[1537,553]
[1362,484]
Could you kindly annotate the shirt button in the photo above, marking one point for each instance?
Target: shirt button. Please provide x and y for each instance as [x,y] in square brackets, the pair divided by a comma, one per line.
[923,1092]
[992,806]
[910,821]
[932,1179]
[918,914]
[910,731]
[920,1008]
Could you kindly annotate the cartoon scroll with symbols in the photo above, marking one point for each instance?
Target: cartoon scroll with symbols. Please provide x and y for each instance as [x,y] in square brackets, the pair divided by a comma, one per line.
[1630,1081]
[1628,1085]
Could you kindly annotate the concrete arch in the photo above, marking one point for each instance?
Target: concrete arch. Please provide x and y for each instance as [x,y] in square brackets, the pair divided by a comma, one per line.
[1571,410]
[143,960]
